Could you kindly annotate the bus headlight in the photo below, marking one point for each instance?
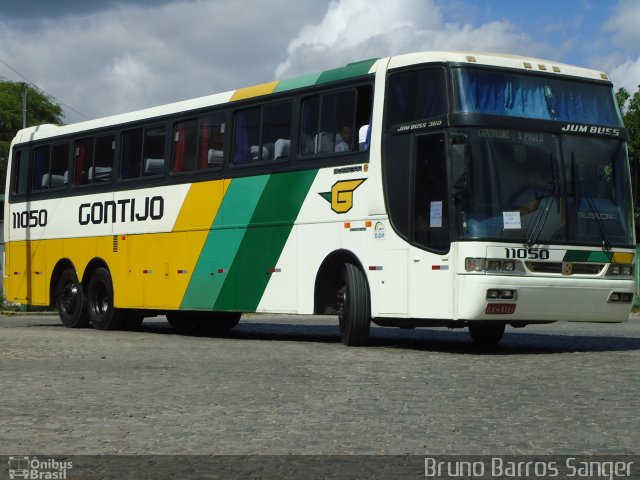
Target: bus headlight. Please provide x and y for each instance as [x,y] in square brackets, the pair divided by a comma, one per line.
[620,269]
[620,297]
[475,264]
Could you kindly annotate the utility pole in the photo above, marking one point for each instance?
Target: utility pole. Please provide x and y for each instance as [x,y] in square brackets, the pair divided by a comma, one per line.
[25,90]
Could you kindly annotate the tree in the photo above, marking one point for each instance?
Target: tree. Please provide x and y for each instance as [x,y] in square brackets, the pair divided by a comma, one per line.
[41,108]
[630,108]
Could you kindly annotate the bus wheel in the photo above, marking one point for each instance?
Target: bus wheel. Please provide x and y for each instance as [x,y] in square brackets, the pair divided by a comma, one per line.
[181,322]
[486,335]
[70,300]
[218,322]
[353,306]
[102,314]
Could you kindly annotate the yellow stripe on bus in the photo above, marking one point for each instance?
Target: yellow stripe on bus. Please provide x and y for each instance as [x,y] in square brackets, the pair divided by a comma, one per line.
[255,91]
[201,205]
[620,257]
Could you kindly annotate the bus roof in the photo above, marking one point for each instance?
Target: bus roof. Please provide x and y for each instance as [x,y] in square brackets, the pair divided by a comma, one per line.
[350,70]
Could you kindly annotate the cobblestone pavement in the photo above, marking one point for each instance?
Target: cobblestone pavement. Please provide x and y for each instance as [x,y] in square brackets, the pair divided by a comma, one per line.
[286,385]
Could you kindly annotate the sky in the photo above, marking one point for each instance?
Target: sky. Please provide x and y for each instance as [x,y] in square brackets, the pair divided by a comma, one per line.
[103,57]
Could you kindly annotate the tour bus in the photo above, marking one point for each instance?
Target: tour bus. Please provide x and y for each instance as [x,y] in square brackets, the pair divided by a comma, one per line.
[450,189]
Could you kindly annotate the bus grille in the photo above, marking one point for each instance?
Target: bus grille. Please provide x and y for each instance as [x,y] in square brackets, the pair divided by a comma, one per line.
[556,267]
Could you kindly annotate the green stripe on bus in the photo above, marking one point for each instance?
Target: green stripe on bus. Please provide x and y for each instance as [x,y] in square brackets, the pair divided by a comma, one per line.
[587,256]
[351,70]
[297,82]
[224,239]
[264,240]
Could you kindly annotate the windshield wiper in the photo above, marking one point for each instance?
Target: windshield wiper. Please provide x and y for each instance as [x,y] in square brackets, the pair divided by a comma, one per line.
[541,218]
[543,215]
[603,231]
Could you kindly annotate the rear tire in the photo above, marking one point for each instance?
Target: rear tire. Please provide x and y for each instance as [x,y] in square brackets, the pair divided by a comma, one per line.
[353,304]
[102,313]
[70,301]
[486,335]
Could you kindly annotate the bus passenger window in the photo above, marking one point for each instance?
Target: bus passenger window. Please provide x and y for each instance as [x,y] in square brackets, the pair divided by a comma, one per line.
[246,139]
[40,168]
[103,158]
[59,171]
[185,146]
[21,173]
[153,151]
[211,141]
[131,154]
[331,122]
[83,156]
[310,123]
[276,130]
[415,95]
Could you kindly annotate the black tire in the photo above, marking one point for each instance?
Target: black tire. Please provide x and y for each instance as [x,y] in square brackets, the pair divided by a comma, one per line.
[486,335]
[102,313]
[208,323]
[181,322]
[70,301]
[354,311]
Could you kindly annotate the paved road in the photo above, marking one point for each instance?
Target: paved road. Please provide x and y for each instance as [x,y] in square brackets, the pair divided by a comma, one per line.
[286,385]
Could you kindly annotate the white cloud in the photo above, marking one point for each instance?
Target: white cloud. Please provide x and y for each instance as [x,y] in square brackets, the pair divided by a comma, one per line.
[130,57]
[357,29]
[623,63]
[623,25]
[627,75]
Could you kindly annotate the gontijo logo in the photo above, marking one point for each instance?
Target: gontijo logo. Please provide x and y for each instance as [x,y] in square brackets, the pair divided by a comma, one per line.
[341,195]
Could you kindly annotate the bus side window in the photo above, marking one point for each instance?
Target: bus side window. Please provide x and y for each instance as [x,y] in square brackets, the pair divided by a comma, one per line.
[415,95]
[103,158]
[153,151]
[131,154]
[246,137]
[263,133]
[83,167]
[337,119]
[331,122]
[185,146]
[211,141]
[59,171]
[309,128]
[40,168]
[21,173]
[276,130]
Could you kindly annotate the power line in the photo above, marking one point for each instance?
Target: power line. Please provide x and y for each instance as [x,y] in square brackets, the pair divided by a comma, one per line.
[36,86]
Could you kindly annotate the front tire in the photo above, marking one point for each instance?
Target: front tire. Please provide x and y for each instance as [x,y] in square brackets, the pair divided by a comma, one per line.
[354,311]
[486,335]
[102,313]
[70,300]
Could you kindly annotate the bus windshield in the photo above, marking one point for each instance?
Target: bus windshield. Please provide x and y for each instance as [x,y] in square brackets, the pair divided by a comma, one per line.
[540,187]
[534,96]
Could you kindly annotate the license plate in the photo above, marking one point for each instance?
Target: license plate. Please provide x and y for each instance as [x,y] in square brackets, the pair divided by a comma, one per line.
[500,308]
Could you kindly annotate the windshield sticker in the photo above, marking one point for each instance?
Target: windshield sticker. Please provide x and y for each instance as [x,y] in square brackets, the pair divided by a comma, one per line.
[435,216]
[511,220]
